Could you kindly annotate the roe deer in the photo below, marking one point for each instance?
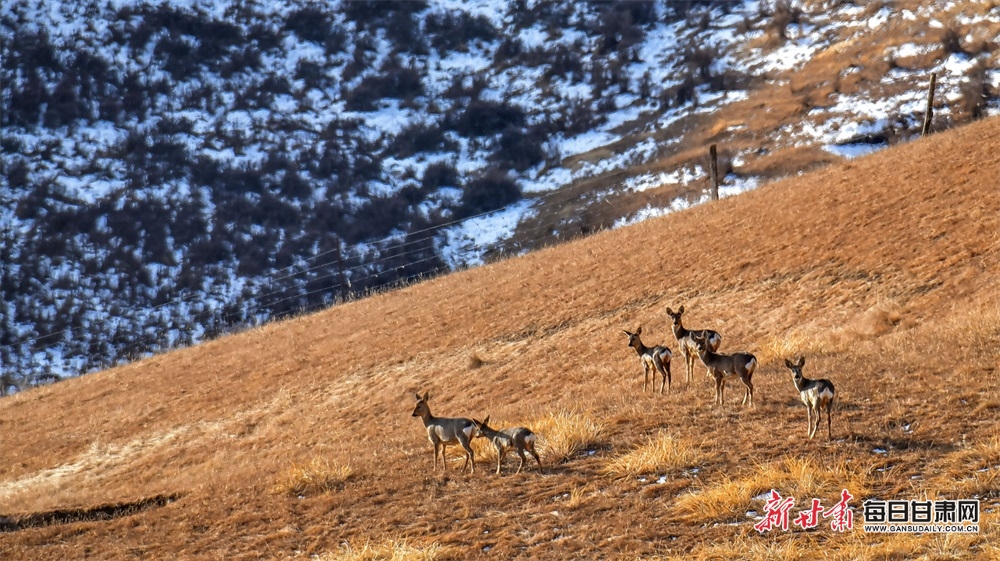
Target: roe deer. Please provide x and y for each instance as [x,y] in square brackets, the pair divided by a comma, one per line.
[816,394]
[725,367]
[442,431]
[654,359]
[518,438]
[685,340]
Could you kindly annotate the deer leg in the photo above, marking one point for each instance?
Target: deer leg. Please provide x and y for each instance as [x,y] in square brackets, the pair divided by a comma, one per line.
[666,375]
[520,452]
[537,459]
[469,456]
[809,422]
[829,421]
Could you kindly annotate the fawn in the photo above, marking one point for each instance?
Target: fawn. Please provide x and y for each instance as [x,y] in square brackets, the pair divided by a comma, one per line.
[518,438]
[654,359]
[685,340]
[725,367]
[442,431]
[816,394]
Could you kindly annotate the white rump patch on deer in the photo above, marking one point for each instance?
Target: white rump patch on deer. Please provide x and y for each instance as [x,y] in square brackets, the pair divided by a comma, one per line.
[752,365]
[470,431]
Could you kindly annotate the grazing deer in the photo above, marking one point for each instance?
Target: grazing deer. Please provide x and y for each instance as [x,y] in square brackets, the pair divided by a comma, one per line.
[725,367]
[654,359]
[685,340]
[442,431]
[816,394]
[518,438]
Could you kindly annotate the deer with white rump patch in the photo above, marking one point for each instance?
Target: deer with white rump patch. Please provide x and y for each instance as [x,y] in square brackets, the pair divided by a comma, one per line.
[685,340]
[725,367]
[518,438]
[816,394]
[442,431]
[654,359]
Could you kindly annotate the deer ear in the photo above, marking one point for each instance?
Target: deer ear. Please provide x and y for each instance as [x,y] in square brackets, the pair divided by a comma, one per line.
[789,364]
[802,361]
[669,311]
[638,330]
[486,421]
[427,396]
[417,395]
[680,310]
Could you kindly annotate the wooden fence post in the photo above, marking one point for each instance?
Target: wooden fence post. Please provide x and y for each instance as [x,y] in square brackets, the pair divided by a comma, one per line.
[342,280]
[713,169]
[929,112]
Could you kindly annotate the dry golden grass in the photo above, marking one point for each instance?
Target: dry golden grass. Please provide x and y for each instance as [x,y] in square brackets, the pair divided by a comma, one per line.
[563,435]
[318,476]
[660,453]
[391,549]
[732,498]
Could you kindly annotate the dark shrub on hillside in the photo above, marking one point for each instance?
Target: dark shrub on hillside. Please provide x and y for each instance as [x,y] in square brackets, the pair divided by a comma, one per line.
[454,30]
[177,55]
[491,191]
[314,75]
[403,30]
[565,61]
[293,187]
[421,137]
[974,95]
[486,118]
[465,87]
[393,80]
[439,174]
[785,13]
[215,38]
[368,13]
[376,219]
[681,93]
[579,118]
[263,37]
[620,23]
[361,60]
[244,59]
[509,48]
[65,105]
[519,148]
[310,24]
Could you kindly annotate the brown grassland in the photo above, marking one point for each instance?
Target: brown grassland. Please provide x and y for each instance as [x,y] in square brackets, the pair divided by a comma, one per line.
[295,440]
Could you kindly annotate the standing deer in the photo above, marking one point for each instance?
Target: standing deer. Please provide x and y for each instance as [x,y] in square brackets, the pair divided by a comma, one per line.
[518,438]
[816,394]
[685,340]
[442,431]
[725,367]
[654,359]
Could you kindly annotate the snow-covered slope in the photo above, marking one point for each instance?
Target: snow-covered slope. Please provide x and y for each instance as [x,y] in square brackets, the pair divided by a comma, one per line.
[173,170]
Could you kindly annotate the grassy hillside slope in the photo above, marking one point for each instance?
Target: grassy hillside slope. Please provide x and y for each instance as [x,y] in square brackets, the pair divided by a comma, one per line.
[296,440]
